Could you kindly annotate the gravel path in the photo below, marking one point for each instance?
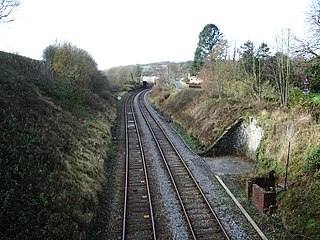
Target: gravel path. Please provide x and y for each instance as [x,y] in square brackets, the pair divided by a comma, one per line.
[228,165]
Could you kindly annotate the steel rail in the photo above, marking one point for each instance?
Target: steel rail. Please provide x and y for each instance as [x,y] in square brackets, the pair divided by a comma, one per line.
[142,104]
[129,110]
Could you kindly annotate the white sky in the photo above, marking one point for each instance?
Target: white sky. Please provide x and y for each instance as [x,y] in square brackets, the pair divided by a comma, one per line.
[123,32]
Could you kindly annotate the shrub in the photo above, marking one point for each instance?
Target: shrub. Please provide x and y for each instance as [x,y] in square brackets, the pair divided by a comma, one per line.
[312,162]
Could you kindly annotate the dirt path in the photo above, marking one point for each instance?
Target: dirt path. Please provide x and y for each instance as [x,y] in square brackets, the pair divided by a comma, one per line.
[229,165]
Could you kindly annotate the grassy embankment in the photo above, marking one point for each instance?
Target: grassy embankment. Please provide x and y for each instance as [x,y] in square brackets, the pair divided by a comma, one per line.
[53,150]
[205,119]
[316,96]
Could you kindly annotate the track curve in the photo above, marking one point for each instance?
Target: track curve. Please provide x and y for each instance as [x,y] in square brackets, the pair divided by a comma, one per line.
[138,216]
[201,219]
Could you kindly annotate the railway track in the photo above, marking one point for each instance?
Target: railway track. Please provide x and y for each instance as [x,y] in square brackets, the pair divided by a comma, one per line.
[138,216]
[200,217]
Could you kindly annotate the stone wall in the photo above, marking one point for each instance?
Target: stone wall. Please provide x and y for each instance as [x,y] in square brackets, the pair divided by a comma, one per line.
[248,138]
[243,138]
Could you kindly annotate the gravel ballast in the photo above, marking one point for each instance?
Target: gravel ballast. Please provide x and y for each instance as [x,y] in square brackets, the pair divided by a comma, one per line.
[169,219]
[204,170]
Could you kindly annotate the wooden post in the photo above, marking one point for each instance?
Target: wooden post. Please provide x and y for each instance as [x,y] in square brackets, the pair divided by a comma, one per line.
[287,165]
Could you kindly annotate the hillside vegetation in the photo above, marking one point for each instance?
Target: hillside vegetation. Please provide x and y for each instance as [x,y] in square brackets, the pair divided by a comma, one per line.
[279,88]
[54,140]
[205,118]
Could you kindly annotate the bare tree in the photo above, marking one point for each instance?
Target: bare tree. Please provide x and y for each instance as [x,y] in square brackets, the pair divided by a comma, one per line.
[313,18]
[6,8]
[283,58]
[218,72]
[310,47]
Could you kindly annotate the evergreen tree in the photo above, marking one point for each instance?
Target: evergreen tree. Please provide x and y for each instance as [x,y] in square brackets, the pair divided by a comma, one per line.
[208,38]
[248,56]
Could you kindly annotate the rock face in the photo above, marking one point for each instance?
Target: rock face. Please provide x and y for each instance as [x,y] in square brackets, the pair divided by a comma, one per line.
[242,138]
[248,138]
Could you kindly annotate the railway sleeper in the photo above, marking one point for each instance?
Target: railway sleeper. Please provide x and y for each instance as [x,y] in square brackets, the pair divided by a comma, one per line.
[139,224]
[205,223]
[162,139]
[196,211]
[134,147]
[191,198]
[138,216]
[182,175]
[137,193]
[137,196]
[193,203]
[196,207]
[188,190]
[186,185]
[211,237]
[139,233]
[179,169]
[139,203]
[135,159]
[178,165]
[137,168]
[137,184]
[137,175]
[170,154]
[190,193]
[210,233]
[205,220]
[164,143]
[136,172]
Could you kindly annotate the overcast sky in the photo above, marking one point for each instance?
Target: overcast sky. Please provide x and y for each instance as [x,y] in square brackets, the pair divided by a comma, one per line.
[123,32]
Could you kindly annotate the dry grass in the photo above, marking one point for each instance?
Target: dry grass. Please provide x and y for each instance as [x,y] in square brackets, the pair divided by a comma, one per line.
[287,126]
[206,118]
[51,156]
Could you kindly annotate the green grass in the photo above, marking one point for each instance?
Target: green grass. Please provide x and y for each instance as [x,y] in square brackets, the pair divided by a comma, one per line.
[51,148]
[315,96]
[192,142]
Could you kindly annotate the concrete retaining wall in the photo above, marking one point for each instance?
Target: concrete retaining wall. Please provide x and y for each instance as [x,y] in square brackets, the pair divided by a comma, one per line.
[243,138]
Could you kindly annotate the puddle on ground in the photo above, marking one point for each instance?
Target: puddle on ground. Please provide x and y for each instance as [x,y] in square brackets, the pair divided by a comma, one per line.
[229,165]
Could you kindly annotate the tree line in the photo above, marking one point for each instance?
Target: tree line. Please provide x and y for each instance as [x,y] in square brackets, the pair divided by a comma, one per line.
[254,71]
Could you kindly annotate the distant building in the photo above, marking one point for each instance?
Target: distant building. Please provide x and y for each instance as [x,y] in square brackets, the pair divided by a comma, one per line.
[149,79]
[194,79]
[194,82]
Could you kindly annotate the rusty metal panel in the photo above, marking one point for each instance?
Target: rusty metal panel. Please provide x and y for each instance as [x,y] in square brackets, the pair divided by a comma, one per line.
[249,189]
[262,199]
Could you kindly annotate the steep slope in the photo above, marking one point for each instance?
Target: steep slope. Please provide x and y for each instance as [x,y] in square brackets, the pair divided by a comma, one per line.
[52,154]
[206,118]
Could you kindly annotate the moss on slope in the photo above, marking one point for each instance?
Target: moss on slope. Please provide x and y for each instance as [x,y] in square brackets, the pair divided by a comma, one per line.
[51,159]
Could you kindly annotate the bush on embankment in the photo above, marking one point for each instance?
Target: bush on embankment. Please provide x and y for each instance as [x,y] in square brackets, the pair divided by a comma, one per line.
[299,205]
[205,118]
[53,142]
